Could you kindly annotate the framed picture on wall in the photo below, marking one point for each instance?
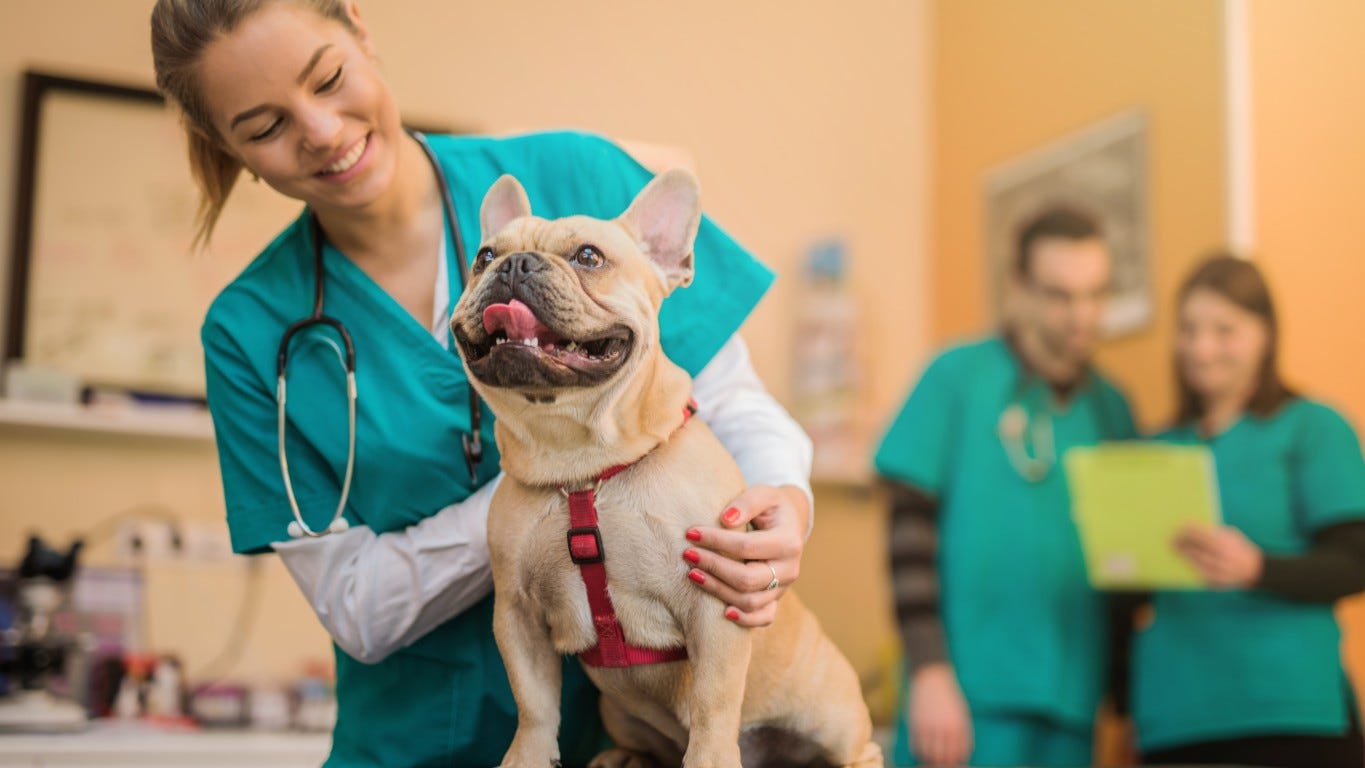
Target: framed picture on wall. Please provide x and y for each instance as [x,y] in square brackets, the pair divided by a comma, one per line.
[1100,170]
[105,285]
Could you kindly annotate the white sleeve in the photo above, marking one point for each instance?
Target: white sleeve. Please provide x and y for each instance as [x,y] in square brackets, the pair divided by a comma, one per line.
[376,593]
[769,446]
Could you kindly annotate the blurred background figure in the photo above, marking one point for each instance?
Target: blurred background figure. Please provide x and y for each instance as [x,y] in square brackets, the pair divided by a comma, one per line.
[1249,672]
[1003,637]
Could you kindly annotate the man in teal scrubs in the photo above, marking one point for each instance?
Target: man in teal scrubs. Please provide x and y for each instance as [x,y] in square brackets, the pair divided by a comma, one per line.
[1003,637]
[446,694]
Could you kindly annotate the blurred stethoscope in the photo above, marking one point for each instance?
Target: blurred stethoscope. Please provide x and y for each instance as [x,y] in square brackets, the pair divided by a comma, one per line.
[473,448]
[1029,437]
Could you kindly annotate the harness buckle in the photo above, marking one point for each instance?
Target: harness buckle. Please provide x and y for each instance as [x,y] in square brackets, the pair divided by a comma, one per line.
[579,551]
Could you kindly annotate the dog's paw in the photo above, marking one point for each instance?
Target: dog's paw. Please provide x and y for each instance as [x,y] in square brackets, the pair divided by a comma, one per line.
[622,758]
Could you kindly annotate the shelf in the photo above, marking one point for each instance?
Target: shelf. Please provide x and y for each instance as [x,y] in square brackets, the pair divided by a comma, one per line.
[112,743]
[175,422]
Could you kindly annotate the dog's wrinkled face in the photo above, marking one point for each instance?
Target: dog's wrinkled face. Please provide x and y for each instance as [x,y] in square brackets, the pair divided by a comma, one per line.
[571,302]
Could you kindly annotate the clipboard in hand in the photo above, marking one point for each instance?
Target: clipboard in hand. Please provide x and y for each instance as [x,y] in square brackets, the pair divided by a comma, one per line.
[1129,500]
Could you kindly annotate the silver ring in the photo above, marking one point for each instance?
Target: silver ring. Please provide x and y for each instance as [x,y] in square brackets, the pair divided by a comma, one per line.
[774,584]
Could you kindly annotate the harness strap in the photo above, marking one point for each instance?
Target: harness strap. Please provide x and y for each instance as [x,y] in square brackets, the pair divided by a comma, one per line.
[586,551]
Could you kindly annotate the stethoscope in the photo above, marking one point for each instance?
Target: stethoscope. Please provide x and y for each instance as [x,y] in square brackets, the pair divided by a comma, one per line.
[1020,431]
[473,448]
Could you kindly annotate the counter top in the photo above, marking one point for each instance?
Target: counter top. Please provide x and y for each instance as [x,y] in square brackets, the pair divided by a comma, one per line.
[116,744]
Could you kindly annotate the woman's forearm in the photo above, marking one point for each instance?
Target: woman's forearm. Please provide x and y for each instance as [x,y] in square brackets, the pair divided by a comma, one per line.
[1333,568]
[376,593]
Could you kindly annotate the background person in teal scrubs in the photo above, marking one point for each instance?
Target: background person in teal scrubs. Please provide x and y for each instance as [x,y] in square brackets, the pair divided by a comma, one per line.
[1250,671]
[1004,639]
[290,92]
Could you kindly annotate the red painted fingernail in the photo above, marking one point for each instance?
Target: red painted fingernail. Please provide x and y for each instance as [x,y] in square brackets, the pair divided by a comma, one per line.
[693,534]
[732,614]
[691,556]
[696,576]
[730,516]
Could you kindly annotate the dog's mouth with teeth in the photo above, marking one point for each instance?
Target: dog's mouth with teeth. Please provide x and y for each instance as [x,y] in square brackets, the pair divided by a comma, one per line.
[517,349]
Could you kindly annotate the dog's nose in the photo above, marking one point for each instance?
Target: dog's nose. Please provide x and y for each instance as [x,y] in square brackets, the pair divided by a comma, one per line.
[524,263]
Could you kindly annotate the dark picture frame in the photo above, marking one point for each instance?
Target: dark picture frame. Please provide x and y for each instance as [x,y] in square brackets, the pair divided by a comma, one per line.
[1101,169]
[105,285]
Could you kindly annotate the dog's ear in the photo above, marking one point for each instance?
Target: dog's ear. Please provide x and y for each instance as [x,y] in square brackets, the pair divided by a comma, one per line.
[505,200]
[663,219]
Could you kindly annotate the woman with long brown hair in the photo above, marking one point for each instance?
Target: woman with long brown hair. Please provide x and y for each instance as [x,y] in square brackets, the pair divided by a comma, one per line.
[290,91]
[1248,671]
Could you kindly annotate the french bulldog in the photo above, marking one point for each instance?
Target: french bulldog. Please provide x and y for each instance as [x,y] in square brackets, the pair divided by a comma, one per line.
[558,331]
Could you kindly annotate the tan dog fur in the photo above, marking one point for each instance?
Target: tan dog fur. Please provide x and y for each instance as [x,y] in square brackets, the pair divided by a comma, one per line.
[788,675]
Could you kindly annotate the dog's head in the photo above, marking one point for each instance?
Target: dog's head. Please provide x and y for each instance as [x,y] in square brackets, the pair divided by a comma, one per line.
[572,303]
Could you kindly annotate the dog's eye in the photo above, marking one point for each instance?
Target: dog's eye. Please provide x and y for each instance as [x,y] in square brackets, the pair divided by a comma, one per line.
[588,256]
[483,258]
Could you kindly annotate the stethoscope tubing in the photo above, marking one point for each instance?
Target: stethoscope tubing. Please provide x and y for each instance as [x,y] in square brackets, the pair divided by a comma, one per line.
[471,442]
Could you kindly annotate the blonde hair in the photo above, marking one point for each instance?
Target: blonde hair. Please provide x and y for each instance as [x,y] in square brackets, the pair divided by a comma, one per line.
[181,30]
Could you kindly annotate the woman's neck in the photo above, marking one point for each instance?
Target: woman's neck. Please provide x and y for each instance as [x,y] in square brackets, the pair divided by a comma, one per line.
[370,232]
[1222,410]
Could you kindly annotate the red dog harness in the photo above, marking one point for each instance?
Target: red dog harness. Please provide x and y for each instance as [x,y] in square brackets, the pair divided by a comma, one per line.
[585,549]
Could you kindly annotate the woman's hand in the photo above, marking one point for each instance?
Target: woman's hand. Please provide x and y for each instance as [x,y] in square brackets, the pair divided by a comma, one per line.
[737,566]
[940,723]
[1223,555]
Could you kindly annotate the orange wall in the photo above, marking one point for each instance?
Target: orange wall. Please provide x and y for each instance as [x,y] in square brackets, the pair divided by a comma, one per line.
[1308,161]
[1012,76]
[1308,168]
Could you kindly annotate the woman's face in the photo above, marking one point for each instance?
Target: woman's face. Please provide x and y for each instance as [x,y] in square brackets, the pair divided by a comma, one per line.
[1220,347]
[298,99]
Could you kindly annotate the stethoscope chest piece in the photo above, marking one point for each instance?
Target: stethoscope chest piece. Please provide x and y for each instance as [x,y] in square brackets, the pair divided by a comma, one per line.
[1017,430]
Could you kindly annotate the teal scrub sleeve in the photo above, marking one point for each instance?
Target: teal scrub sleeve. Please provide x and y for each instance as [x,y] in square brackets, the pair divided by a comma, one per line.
[918,445]
[245,429]
[1331,472]
[696,321]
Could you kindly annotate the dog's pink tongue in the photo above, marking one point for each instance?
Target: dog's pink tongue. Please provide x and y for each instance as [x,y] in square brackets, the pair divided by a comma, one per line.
[514,318]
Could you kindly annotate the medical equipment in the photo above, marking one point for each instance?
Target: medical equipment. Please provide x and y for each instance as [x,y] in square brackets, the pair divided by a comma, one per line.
[473,448]
[1016,429]
[1019,431]
[38,647]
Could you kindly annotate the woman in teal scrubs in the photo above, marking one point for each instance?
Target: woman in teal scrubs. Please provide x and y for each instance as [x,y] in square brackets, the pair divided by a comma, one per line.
[1249,672]
[290,92]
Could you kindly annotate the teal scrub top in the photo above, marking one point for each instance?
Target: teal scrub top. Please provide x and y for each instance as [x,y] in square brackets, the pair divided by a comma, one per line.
[1227,664]
[443,700]
[1025,632]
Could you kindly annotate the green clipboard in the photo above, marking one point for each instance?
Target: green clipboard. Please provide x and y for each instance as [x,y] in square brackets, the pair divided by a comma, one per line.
[1129,500]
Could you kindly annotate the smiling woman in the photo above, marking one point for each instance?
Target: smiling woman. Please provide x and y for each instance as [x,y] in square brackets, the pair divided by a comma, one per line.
[177,48]
[291,92]
[1269,689]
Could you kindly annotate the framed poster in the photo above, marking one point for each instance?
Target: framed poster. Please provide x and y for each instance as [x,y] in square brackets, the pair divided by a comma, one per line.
[104,283]
[1101,170]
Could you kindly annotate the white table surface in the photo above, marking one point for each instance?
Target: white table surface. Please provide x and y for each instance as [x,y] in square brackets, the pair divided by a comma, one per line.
[116,744]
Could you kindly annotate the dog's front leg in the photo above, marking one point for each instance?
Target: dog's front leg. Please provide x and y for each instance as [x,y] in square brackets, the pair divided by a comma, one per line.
[535,675]
[719,651]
